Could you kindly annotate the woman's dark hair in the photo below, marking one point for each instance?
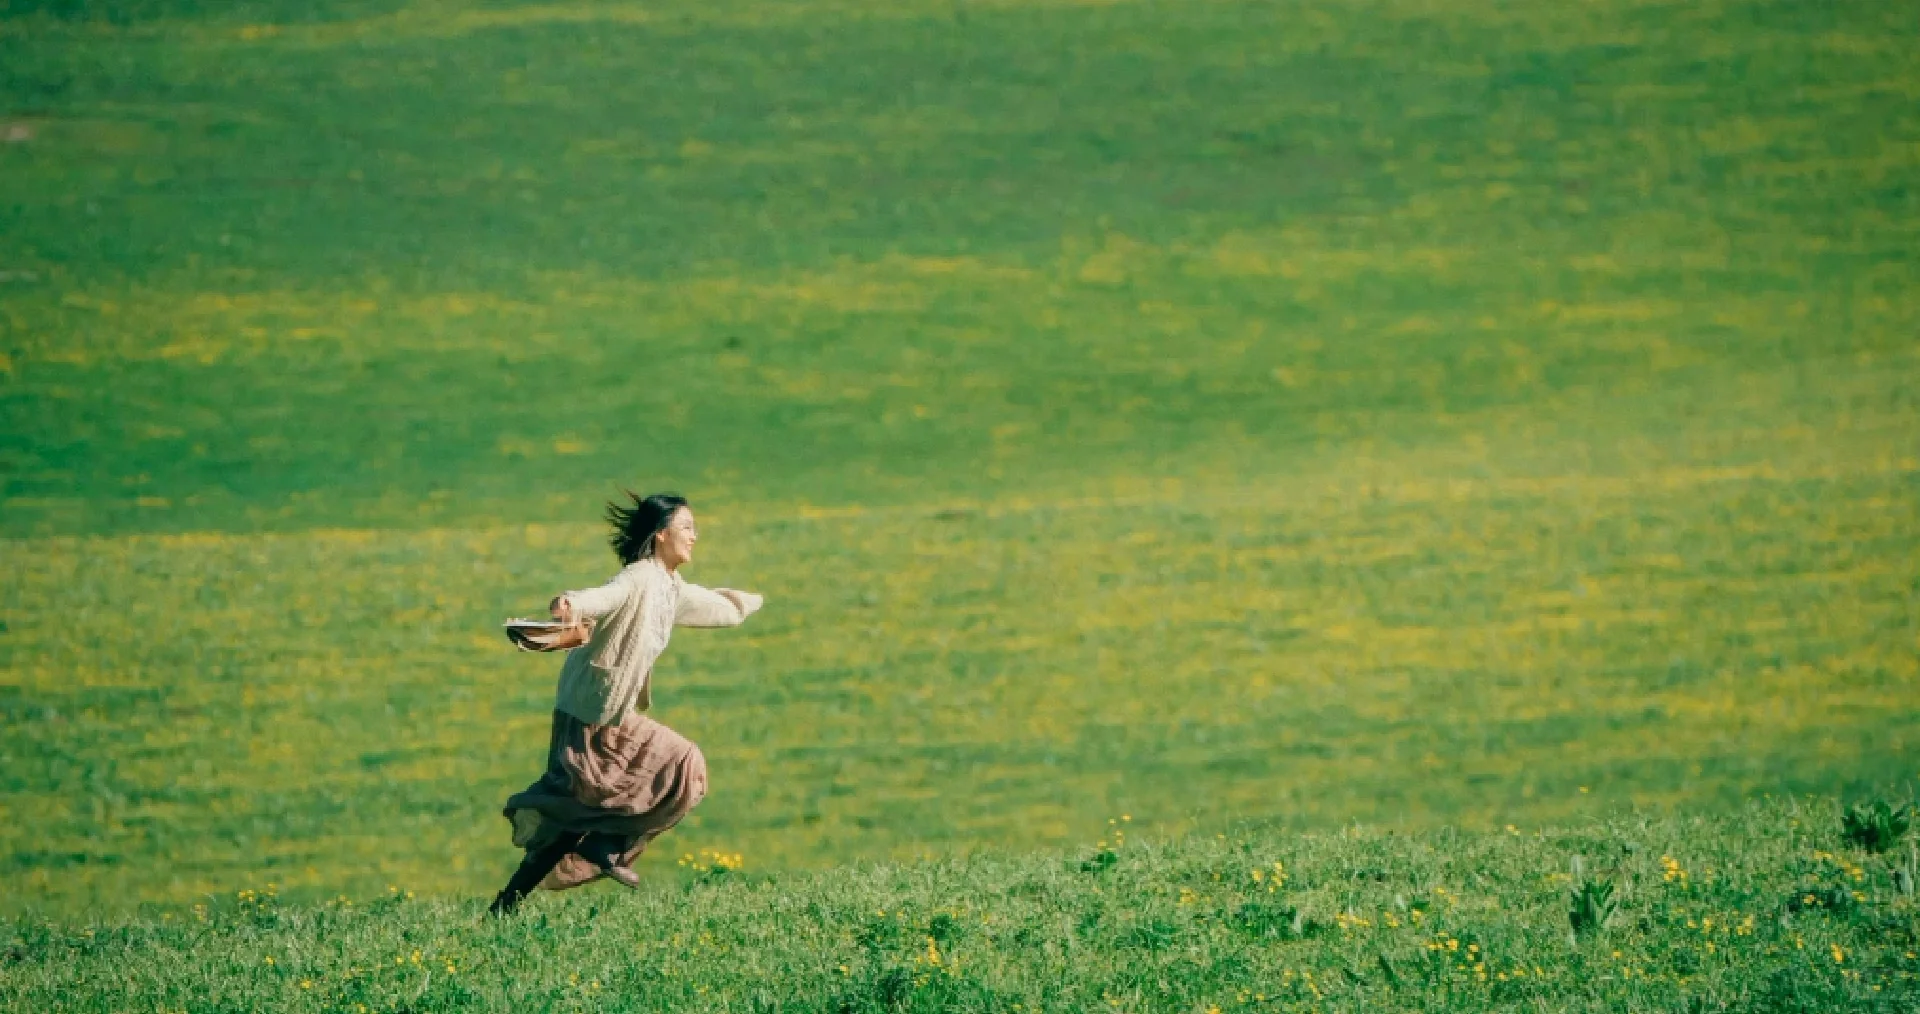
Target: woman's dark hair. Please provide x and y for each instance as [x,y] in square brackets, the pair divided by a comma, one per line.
[634,527]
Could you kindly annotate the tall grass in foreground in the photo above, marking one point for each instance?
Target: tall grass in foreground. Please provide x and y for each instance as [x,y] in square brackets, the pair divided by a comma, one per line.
[1770,907]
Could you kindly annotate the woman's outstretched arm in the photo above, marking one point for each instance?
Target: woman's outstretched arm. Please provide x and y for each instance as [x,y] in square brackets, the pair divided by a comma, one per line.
[714,607]
[592,603]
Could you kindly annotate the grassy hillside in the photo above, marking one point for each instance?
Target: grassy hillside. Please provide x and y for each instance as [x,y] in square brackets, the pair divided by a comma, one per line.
[1767,909]
[1409,412]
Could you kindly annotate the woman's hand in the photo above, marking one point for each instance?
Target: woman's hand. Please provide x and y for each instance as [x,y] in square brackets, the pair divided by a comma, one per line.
[561,609]
[747,602]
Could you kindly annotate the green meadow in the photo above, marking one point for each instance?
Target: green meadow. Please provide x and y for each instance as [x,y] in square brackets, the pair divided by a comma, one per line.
[1272,416]
[1765,908]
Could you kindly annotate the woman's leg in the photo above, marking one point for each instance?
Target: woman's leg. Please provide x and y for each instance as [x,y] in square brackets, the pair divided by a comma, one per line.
[690,786]
[534,868]
[607,851]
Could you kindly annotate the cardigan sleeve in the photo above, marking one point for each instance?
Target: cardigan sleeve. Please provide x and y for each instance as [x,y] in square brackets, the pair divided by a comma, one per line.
[598,602]
[706,607]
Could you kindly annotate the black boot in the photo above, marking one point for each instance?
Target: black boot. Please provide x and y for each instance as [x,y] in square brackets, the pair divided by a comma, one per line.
[534,868]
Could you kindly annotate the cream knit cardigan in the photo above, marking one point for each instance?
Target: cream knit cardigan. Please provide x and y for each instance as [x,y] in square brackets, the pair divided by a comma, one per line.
[634,615]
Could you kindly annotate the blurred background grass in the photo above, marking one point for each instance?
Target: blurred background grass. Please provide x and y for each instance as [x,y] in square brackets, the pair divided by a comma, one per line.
[1311,412]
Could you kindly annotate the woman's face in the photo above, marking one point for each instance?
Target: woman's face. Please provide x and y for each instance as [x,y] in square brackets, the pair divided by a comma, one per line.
[673,545]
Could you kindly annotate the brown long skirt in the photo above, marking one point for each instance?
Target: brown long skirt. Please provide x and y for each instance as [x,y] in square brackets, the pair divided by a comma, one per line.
[633,780]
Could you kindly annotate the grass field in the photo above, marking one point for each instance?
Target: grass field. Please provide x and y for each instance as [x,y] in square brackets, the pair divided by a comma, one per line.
[1764,908]
[1413,413]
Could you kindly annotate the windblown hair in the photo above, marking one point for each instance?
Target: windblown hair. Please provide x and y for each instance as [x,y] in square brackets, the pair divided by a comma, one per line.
[634,527]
